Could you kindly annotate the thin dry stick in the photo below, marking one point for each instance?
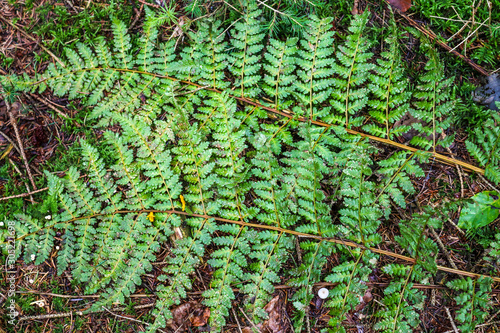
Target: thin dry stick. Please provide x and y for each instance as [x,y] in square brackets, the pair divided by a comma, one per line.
[11,142]
[493,317]
[237,321]
[458,32]
[489,184]
[289,114]
[268,227]
[33,39]
[27,187]
[277,11]
[329,284]
[80,313]
[461,180]
[472,33]
[433,36]
[456,227]
[128,318]
[18,137]
[308,323]
[441,245]
[479,326]
[24,194]
[59,112]
[459,174]
[148,4]
[251,323]
[75,296]
[71,5]
[455,329]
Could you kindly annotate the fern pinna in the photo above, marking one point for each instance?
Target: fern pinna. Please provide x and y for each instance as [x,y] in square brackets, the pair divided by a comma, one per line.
[196,152]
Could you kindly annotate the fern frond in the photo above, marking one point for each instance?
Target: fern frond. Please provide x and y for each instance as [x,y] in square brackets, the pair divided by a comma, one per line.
[205,60]
[494,255]
[193,149]
[316,149]
[244,60]
[121,43]
[391,91]
[433,106]
[308,273]
[352,70]
[181,265]
[474,300]
[231,166]
[485,148]
[361,213]
[144,60]
[279,82]
[269,249]
[314,67]
[401,300]
[397,170]
[351,277]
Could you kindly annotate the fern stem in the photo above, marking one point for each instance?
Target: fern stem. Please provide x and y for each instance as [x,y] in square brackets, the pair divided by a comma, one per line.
[493,150]
[417,254]
[442,158]
[350,281]
[402,296]
[349,83]
[360,225]
[279,229]
[434,118]
[394,176]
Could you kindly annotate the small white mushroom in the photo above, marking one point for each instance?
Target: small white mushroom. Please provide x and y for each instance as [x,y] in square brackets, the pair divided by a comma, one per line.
[48,217]
[323,293]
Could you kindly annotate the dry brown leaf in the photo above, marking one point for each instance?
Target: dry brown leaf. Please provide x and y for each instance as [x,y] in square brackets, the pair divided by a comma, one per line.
[367,298]
[200,316]
[402,5]
[188,314]
[355,8]
[274,323]
[180,315]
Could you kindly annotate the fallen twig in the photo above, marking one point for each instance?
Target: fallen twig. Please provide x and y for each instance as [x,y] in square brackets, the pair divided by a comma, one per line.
[441,245]
[433,36]
[33,39]
[48,104]
[24,194]
[80,313]
[455,329]
[19,172]
[18,137]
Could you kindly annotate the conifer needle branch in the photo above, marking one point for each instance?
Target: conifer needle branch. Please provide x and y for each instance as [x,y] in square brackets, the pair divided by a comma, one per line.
[278,12]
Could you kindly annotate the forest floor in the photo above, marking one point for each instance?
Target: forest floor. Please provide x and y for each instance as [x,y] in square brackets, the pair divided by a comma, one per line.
[34,33]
